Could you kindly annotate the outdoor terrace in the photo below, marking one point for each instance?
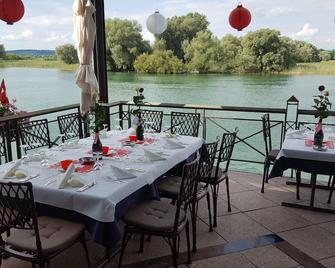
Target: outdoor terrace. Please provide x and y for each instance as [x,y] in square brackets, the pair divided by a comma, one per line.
[299,238]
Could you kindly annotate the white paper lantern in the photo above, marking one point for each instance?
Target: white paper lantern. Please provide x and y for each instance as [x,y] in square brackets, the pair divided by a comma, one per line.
[156,23]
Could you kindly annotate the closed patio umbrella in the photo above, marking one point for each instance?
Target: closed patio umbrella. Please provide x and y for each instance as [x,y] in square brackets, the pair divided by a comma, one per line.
[84,33]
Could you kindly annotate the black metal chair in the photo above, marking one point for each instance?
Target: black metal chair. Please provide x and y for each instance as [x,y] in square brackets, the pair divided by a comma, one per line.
[220,171]
[33,239]
[270,154]
[185,123]
[154,117]
[332,186]
[70,125]
[3,145]
[169,187]
[158,218]
[34,134]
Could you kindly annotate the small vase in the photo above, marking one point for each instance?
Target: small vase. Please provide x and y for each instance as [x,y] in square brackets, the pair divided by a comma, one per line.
[318,136]
[139,129]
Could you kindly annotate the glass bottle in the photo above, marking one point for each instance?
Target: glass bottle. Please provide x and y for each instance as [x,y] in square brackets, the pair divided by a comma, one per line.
[139,129]
[97,145]
[318,136]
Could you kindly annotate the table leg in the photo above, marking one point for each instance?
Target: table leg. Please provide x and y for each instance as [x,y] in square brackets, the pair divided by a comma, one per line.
[313,183]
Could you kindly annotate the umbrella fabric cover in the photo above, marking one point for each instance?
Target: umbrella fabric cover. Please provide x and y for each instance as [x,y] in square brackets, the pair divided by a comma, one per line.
[84,34]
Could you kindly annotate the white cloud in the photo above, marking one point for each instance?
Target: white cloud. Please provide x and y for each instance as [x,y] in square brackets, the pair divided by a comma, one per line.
[307,31]
[47,21]
[26,34]
[54,37]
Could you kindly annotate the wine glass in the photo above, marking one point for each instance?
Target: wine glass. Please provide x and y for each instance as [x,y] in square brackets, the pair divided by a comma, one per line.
[24,152]
[117,126]
[96,156]
[61,145]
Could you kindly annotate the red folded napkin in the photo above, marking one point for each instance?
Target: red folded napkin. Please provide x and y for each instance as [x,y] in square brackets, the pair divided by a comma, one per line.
[80,169]
[328,144]
[119,152]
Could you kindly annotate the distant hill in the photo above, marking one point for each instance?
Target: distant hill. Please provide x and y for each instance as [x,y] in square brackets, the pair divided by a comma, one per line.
[32,52]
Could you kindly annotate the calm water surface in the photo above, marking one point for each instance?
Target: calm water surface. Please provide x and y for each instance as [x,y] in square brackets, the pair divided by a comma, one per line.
[44,88]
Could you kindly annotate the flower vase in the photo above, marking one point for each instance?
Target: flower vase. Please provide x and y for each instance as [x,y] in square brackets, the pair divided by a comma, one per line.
[318,136]
[139,129]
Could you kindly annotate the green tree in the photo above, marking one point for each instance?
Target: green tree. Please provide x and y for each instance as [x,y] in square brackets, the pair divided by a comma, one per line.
[2,51]
[265,51]
[228,54]
[181,28]
[124,43]
[160,61]
[200,52]
[305,52]
[67,53]
[325,55]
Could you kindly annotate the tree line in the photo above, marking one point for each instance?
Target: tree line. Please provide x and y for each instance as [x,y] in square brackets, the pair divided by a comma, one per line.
[188,46]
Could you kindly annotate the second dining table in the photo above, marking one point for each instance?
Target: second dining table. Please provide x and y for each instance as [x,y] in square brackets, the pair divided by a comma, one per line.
[101,205]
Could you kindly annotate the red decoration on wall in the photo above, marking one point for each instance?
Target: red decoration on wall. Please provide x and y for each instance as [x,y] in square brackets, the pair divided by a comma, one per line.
[11,10]
[3,95]
[240,18]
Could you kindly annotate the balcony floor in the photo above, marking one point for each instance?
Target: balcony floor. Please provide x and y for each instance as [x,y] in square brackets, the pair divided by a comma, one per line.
[308,238]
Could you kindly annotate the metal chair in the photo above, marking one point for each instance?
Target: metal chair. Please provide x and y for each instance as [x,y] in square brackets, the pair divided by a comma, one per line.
[169,187]
[33,239]
[220,171]
[185,123]
[154,117]
[158,218]
[270,154]
[70,125]
[332,186]
[3,146]
[34,134]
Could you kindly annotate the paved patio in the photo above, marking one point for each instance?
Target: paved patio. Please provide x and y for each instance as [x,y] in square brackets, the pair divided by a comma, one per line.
[298,238]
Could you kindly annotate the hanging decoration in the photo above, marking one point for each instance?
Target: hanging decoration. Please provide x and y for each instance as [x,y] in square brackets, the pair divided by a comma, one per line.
[240,18]
[156,23]
[11,11]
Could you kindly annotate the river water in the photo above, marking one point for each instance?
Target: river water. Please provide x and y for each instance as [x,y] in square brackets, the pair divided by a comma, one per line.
[37,89]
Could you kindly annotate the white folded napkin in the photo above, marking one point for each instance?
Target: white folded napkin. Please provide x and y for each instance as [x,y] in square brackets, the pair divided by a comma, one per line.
[169,144]
[75,182]
[152,156]
[122,174]
[296,133]
[11,170]
[67,176]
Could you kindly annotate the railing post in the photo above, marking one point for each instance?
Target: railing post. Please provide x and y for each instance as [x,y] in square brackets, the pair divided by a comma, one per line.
[204,125]
[129,117]
[121,115]
[86,125]
[8,142]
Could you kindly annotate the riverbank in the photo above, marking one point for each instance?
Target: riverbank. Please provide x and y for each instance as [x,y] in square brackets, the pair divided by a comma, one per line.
[313,68]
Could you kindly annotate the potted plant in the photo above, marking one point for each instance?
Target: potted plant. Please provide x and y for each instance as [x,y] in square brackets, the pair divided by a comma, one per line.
[322,106]
[138,100]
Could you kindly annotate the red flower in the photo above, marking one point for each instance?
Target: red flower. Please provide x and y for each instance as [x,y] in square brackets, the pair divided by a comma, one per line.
[322,88]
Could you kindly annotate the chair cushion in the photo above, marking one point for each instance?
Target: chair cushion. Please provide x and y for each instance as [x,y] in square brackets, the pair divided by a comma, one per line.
[153,216]
[55,234]
[201,191]
[170,186]
[212,180]
[273,154]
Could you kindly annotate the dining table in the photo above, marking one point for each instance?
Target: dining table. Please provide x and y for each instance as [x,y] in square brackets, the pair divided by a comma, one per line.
[124,177]
[299,153]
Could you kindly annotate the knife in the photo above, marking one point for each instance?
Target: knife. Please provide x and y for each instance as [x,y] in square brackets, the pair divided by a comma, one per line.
[87,186]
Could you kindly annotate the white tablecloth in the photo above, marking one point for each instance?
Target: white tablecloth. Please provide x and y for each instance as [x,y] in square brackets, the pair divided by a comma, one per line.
[296,148]
[99,202]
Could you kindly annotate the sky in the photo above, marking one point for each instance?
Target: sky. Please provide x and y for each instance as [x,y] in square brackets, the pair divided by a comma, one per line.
[47,24]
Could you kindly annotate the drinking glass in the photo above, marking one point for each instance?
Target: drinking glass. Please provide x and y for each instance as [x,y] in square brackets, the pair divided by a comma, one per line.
[96,157]
[117,126]
[24,152]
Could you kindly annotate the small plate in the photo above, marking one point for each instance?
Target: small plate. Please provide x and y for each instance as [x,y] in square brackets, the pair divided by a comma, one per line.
[318,148]
[86,160]
[128,143]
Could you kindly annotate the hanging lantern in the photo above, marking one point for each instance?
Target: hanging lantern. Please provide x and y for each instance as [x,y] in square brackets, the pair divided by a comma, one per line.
[11,10]
[156,23]
[240,18]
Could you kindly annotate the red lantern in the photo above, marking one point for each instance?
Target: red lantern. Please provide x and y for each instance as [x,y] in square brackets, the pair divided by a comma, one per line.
[11,10]
[240,18]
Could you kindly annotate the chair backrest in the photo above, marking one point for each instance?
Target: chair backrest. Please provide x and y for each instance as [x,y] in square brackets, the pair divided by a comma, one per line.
[207,158]
[187,187]
[154,117]
[267,133]
[225,152]
[3,145]
[70,125]
[35,134]
[185,123]
[17,208]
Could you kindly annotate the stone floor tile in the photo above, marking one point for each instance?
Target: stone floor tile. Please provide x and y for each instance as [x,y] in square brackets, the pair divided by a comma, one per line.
[278,219]
[269,256]
[313,216]
[313,240]
[234,187]
[330,226]
[329,263]
[246,201]
[248,180]
[233,260]
[239,226]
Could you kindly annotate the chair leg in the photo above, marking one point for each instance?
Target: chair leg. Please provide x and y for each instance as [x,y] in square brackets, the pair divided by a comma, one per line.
[83,243]
[331,191]
[267,172]
[174,252]
[188,243]
[329,181]
[298,176]
[215,191]
[193,207]
[209,212]
[140,250]
[264,176]
[124,244]
[41,265]
[228,195]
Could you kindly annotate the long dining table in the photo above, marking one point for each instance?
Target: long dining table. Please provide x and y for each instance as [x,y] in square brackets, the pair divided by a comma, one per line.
[101,206]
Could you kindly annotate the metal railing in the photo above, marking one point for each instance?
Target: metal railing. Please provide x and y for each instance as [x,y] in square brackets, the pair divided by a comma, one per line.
[214,121]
